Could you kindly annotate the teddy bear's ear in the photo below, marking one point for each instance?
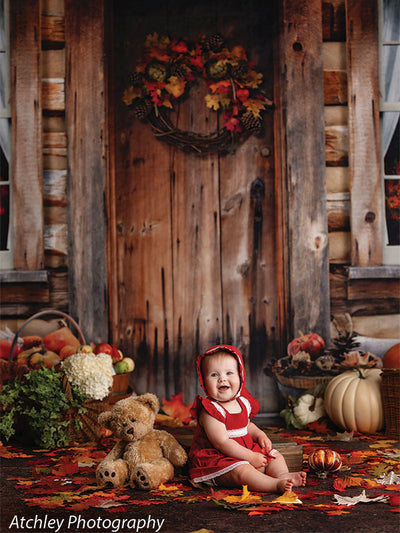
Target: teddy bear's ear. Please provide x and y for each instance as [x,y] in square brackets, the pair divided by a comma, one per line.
[150,400]
[104,419]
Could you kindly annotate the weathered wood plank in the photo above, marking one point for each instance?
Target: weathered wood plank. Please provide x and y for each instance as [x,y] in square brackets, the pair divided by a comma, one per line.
[301,67]
[25,293]
[369,307]
[338,209]
[53,94]
[55,187]
[336,146]
[142,254]
[335,115]
[52,28]
[336,180]
[53,64]
[335,87]
[381,326]
[56,239]
[55,143]
[333,20]
[334,56]
[27,135]
[380,288]
[364,152]
[84,37]
[339,246]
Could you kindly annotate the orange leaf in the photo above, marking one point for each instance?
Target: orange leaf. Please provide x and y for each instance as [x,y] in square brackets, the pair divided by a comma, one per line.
[176,408]
[343,483]
[287,497]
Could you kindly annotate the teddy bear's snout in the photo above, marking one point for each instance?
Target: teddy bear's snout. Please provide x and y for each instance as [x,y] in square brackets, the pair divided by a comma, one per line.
[130,431]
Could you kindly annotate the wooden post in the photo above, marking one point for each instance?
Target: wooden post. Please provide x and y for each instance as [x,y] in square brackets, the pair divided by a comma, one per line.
[27,159]
[364,148]
[86,130]
[300,160]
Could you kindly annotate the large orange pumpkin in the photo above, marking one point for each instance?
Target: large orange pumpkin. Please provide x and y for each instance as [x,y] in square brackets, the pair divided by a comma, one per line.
[391,359]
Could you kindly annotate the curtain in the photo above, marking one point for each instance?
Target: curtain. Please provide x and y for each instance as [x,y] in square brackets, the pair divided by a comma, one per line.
[391,65]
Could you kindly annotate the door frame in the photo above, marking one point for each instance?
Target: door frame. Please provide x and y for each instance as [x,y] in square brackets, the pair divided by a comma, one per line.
[303,268]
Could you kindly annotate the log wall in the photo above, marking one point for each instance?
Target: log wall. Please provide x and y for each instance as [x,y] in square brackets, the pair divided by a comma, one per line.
[363,299]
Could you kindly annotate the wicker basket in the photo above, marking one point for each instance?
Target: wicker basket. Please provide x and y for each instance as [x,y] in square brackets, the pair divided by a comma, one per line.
[390,389]
[83,427]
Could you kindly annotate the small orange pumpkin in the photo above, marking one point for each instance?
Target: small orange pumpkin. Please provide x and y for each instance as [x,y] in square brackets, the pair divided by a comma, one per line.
[324,462]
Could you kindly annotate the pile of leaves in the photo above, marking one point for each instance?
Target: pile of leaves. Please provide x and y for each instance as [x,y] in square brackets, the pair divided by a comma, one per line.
[33,408]
[65,479]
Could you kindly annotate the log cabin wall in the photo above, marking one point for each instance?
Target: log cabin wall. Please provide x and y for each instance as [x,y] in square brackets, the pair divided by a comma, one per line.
[45,285]
[372,302]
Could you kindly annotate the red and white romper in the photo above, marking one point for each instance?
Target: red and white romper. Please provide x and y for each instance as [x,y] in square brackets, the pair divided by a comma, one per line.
[205,461]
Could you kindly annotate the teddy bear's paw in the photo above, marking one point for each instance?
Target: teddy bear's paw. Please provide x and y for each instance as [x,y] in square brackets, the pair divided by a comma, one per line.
[112,475]
[142,478]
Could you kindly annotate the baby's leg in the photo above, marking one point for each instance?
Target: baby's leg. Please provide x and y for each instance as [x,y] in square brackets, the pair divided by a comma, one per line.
[277,468]
[255,480]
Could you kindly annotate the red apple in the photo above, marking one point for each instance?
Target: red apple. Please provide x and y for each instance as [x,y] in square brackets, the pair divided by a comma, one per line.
[116,355]
[103,347]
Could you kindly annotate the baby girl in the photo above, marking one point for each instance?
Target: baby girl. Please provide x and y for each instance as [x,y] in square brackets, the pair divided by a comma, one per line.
[227,448]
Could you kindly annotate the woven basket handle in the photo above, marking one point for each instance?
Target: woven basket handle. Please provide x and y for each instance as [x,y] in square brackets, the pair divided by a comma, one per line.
[42,313]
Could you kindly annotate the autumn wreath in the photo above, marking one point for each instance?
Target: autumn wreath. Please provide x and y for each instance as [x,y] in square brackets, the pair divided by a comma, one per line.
[166,71]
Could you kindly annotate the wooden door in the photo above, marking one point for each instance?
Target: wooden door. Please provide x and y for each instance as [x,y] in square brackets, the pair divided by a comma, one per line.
[193,259]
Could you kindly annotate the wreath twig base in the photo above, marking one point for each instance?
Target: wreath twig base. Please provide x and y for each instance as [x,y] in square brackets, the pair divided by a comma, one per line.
[167,70]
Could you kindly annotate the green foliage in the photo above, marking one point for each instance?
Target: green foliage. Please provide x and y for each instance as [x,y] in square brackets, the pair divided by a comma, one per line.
[38,401]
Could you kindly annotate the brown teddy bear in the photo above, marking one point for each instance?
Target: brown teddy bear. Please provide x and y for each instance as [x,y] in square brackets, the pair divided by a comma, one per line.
[143,457]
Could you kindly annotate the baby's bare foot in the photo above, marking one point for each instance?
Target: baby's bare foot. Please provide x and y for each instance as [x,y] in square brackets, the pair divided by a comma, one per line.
[298,478]
[285,485]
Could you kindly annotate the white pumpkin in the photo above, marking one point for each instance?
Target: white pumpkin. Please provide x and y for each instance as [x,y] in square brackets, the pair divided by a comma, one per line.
[353,400]
[309,408]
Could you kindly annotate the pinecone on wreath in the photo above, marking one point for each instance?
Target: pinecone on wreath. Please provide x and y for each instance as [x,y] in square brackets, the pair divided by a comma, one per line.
[178,70]
[136,78]
[251,123]
[141,108]
[240,70]
[214,42]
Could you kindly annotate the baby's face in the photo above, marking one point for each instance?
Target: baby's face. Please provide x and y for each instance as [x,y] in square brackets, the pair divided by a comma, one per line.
[221,376]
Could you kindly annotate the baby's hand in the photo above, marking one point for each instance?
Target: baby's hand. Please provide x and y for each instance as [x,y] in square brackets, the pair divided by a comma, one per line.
[264,441]
[258,460]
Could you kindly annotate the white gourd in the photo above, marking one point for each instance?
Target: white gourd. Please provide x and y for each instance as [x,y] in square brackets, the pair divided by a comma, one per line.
[309,408]
[353,400]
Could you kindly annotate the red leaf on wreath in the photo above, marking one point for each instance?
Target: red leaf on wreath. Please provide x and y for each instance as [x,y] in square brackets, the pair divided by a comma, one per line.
[232,123]
[242,94]
[179,46]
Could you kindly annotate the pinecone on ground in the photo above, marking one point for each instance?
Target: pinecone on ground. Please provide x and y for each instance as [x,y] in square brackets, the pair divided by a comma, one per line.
[251,123]
[142,108]
[214,42]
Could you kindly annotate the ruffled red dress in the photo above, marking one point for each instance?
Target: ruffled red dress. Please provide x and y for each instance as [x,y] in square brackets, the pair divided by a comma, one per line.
[205,461]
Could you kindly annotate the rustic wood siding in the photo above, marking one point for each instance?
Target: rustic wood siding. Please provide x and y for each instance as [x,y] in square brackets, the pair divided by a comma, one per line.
[301,72]
[86,133]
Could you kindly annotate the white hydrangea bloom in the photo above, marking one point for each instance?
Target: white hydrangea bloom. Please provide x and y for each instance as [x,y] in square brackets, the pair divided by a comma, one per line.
[91,374]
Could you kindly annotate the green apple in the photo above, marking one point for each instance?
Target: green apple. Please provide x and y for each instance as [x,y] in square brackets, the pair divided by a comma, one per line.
[125,365]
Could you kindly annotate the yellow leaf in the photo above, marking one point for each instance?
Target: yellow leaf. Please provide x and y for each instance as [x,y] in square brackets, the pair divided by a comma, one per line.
[215,101]
[175,86]
[253,79]
[255,106]
[130,94]
[246,497]
[287,497]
